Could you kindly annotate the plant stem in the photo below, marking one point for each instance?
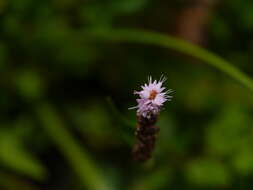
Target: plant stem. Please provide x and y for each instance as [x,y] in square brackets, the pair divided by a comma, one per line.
[154,38]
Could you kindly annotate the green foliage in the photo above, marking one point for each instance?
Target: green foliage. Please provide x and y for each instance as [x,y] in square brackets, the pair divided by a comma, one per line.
[29,84]
[77,157]
[229,132]
[15,157]
[58,65]
[207,173]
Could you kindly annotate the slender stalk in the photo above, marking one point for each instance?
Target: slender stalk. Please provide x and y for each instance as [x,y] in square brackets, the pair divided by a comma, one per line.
[127,130]
[153,38]
[118,115]
[78,158]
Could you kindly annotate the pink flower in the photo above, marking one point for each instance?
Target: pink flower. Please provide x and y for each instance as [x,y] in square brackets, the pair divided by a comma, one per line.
[152,98]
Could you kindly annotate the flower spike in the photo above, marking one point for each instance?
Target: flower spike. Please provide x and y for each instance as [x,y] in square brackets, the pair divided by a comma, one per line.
[149,104]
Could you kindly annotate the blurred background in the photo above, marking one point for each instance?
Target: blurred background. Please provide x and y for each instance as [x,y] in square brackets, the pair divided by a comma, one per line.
[64,98]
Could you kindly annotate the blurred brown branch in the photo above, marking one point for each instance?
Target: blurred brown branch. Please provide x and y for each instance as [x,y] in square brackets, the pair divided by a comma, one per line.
[192,20]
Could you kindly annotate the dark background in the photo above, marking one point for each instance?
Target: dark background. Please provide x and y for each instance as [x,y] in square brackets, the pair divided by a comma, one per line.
[64,97]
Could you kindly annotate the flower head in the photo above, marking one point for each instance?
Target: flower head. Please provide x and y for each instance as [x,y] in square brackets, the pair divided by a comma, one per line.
[152,97]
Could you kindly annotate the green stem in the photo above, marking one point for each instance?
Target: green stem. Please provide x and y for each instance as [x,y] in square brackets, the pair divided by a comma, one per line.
[118,115]
[153,38]
[89,174]
[128,129]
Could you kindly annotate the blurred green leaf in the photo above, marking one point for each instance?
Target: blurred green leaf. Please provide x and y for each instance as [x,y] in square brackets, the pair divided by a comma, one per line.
[89,174]
[243,161]
[12,182]
[157,179]
[230,131]
[153,38]
[128,6]
[207,173]
[94,123]
[3,56]
[14,156]
[29,84]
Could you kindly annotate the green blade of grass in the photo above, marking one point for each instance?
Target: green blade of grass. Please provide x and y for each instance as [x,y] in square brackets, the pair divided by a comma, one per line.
[128,126]
[14,156]
[90,176]
[166,41]
[118,115]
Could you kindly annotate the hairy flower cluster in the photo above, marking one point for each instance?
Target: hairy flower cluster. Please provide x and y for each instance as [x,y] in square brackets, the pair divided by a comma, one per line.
[152,97]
